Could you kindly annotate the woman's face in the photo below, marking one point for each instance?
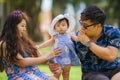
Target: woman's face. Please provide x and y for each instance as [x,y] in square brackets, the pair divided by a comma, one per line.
[21,27]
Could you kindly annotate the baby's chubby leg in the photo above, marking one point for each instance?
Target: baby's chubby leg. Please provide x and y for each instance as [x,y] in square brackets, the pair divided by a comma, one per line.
[66,72]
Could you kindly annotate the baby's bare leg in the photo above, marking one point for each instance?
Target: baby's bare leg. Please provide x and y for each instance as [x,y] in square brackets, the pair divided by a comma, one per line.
[66,72]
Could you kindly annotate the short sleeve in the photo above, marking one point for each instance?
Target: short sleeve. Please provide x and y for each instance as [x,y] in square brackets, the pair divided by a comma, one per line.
[114,37]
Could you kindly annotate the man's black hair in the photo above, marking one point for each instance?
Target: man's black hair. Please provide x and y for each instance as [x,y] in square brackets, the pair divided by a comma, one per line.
[94,14]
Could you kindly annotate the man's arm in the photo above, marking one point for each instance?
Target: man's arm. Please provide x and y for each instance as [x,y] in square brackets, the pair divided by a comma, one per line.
[108,53]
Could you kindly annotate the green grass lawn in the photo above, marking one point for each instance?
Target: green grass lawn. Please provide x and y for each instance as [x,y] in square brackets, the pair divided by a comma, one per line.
[75,73]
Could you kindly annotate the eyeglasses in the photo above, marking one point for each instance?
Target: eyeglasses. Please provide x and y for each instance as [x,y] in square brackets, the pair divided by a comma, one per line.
[85,25]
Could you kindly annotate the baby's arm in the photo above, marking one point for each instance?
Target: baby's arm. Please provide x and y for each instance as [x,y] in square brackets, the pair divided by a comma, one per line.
[46,43]
[73,37]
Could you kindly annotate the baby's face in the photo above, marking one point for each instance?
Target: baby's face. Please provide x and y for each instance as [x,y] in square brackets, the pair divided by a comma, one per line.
[61,27]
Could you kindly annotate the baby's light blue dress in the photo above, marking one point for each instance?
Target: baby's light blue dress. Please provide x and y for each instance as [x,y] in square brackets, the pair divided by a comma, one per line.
[68,55]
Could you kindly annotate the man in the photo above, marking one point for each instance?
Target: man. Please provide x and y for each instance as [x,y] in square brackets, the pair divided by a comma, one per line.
[97,46]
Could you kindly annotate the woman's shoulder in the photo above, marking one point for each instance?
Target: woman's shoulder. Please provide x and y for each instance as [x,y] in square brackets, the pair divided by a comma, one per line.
[2,44]
[2,47]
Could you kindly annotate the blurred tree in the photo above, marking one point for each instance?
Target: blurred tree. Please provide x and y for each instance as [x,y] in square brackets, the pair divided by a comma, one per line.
[3,13]
[32,7]
[60,5]
[113,11]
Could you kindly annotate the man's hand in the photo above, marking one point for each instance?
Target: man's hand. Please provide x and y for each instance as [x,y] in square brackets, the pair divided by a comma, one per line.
[82,37]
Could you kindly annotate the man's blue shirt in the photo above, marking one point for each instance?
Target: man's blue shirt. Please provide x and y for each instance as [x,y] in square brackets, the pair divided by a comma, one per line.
[91,62]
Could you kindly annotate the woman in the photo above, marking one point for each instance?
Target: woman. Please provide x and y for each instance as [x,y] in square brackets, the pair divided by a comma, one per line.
[18,55]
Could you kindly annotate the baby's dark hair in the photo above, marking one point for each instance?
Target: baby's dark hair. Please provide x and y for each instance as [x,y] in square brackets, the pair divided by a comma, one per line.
[94,14]
[64,19]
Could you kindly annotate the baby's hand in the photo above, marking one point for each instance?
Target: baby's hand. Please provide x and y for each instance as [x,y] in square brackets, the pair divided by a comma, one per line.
[73,37]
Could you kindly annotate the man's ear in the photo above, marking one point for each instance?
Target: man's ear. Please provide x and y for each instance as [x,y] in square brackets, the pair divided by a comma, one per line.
[99,25]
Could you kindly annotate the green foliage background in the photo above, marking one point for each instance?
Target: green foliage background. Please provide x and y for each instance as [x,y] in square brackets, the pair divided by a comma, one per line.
[33,9]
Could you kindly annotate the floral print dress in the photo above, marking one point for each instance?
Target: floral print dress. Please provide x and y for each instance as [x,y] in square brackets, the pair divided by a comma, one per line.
[15,72]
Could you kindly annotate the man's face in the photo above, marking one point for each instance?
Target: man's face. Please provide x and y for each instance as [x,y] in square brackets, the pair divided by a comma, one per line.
[89,27]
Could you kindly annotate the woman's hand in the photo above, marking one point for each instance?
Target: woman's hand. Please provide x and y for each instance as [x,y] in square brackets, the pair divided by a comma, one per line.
[56,52]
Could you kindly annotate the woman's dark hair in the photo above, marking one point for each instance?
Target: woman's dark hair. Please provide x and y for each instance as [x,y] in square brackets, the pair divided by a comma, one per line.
[94,14]
[13,42]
